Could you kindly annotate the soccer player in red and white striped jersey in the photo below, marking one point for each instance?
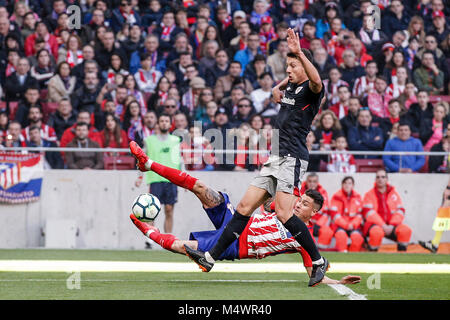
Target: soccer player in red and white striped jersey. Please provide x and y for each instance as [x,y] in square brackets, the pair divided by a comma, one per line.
[263,236]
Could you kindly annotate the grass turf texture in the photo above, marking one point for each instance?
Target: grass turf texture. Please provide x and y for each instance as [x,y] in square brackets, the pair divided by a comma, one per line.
[174,286]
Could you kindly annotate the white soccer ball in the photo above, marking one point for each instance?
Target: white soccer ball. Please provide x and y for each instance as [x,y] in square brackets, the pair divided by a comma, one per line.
[146,207]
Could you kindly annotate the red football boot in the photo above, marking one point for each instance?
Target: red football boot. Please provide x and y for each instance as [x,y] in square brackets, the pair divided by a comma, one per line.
[140,156]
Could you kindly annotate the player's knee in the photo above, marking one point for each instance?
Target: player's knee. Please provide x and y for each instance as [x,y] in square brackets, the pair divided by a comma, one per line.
[403,233]
[376,235]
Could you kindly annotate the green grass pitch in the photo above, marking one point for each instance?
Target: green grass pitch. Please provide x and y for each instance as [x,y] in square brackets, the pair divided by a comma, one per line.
[214,285]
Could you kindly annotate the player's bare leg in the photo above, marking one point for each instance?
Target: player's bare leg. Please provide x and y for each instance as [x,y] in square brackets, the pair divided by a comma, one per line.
[253,198]
[166,241]
[284,206]
[168,221]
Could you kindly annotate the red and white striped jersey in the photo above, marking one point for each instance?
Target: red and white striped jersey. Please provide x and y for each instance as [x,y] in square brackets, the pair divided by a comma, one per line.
[265,235]
[47,133]
[395,90]
[343,163]
[331,90]
[360,86]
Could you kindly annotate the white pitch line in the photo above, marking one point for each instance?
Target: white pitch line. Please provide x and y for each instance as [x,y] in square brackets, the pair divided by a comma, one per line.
[145,280]
[346,291]
[180,267]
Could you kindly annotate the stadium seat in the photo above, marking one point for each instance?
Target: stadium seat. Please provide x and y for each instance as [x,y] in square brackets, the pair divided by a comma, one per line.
[369,165]
[43,95]
[13,105]
[424,169]
[323,166]
[119,162]
[48,108]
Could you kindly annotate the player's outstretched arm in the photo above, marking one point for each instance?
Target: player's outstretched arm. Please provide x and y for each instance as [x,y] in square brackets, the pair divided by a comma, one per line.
[315,82]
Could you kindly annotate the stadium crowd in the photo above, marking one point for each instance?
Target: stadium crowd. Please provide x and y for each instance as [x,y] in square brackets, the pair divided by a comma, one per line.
[215,62]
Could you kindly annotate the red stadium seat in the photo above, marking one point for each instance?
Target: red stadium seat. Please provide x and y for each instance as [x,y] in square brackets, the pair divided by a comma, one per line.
[424,169]
[323,166]
[119,162]
[369,165]
[48,108]
[43,95]
[13,105]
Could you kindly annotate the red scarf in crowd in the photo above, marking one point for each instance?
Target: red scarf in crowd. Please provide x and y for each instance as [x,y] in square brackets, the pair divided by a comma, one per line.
[165,35]
[71,60]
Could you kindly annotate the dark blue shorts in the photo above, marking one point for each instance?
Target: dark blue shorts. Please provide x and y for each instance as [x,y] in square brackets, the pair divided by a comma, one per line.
[219,217]
[166,192]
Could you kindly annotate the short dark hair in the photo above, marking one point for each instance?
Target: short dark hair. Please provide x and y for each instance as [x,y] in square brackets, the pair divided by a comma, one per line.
[348,178]
[316,196]
[266,73]
[165,115]
[403,123]
[34,128]
[81,123]
[306,52]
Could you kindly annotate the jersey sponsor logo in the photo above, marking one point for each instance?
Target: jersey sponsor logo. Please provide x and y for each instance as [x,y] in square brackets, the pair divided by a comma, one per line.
[282,229]
[288,101]
[298,90]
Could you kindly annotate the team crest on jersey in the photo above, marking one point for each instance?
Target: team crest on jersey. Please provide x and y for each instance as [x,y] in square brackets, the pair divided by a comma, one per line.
[298,90]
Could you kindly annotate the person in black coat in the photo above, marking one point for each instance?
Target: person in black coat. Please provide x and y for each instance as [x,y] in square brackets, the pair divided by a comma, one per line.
[439,164]
[421,110]
[17,83]
[52,159]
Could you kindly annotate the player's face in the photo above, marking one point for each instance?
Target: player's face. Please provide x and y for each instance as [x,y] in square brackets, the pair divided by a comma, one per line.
[305,208]
[295,70]
[164,124]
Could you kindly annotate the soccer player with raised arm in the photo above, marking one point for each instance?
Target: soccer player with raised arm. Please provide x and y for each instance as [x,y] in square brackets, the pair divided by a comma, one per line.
[282,174]
[263,236]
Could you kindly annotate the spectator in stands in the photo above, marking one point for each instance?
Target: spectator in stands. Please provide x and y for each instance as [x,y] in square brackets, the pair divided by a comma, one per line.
[160,95]
[49,39]
[246,56]
[105,50]
[350,120]
[327,130]
[408,96]
[112,135]
[29,25]
[124,15]
[298,17]
[181,124]
[396,88]
[149,127]
[208,51]
[233,30]
[14,137]
[420,110]
[53,160]
[366,84]
[132,120]
[71,52]
[206,96]
[350,69]
[62,84]
[346,214]
[339,43]
[222,124]
[31,99]
[341,162]
[134,90]
[403,142]
[364,137]
[384,214]
[68,135]
[35,119]
[340,109]
[4,121]
[396,18]
[371,37]
[323,62]
[309,33]
[167,31]
[362,57]
[58,8]
[439,29]
[44,69]
[63,118]
[396,113]
[431,45]
[432,131]
[225,83]
[244,112]
[87,33]
[10,65]
[220,68]
[151,47]
[197,160]
[83,160]
[191,97]
[428,77]
[87,66]
[115,67]
[262,97]
[147,76]
[281,29]
[377,101]
[85,97]
[256,68]
[440,164]
[197,36]
[17,83]
[332,84]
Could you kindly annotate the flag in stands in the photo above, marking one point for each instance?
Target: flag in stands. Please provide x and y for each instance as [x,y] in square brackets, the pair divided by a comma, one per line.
[20,177]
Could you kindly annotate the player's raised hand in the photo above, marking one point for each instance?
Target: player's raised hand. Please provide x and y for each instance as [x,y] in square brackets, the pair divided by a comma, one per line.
[350,280]
[293,41]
